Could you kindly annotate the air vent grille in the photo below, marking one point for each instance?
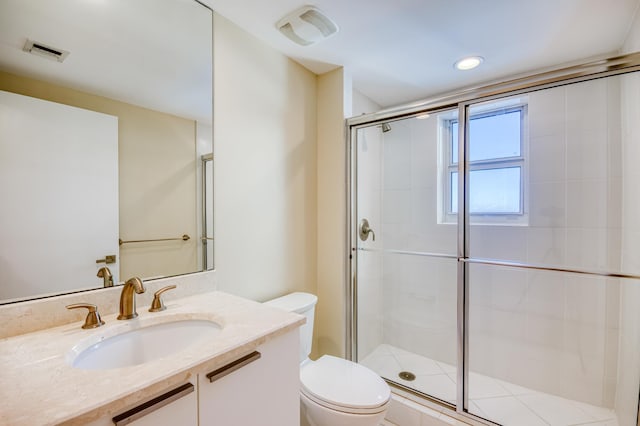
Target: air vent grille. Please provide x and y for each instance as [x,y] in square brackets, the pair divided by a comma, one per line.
[45,51]
[307,26]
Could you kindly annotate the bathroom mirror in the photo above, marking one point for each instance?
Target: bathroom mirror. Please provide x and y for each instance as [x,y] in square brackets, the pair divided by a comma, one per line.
[105,143]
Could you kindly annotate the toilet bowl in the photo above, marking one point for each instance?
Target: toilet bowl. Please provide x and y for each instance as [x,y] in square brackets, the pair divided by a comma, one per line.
[337,392]
[333,391]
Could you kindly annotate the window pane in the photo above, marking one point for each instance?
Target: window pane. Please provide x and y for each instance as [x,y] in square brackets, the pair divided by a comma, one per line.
[490,191]
[494,190]
[491,136]
[494,136]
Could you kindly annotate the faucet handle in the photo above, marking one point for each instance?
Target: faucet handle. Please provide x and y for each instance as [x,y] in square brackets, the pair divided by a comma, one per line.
[93,319]
[158,305]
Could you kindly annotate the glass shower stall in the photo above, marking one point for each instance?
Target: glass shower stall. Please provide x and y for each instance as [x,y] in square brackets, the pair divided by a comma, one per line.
[495,248]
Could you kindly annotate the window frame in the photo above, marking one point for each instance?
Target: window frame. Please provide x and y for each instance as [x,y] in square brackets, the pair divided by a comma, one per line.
[451,166]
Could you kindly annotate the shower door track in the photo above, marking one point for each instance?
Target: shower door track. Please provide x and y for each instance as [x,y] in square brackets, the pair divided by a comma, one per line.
[462,100]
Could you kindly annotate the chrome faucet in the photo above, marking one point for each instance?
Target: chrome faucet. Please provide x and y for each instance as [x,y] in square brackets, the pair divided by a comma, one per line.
[128,298]
[105,274]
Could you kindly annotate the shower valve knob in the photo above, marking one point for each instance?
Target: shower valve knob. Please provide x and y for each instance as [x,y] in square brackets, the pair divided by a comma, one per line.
[365,230]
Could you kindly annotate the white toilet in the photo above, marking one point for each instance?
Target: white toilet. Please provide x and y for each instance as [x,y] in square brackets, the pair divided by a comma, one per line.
[333,391]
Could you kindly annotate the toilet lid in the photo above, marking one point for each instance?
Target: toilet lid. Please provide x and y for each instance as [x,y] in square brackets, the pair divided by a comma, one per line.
[340,383]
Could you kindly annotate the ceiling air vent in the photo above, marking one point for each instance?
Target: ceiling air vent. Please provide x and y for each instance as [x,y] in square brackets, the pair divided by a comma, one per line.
[45,51]
[307,26]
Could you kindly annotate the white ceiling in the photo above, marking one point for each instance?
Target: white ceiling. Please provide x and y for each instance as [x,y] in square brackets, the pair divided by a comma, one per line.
[403,50]
[156,53]
[152,53]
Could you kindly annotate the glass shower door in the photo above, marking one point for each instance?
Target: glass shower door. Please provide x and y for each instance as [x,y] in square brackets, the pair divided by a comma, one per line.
[405,252]
[549,299]
[510,293]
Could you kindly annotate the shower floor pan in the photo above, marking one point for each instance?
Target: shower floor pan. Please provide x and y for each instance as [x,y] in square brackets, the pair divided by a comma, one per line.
[494,399]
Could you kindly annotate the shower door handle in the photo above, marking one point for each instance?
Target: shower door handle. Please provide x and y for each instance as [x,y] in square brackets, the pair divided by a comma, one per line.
[364,230]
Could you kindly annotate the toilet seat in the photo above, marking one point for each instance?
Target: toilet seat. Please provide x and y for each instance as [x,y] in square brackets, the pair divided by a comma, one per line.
[344,386]
[341,409]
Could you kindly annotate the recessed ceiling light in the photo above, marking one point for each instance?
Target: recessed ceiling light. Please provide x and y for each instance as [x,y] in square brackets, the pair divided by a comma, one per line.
[468,63]
[422,116]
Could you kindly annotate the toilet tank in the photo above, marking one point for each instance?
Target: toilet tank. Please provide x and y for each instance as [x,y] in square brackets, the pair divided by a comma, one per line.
[303,304]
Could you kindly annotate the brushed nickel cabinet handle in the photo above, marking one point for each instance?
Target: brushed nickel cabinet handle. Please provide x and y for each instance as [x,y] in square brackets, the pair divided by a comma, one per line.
[233,366]
[152,405]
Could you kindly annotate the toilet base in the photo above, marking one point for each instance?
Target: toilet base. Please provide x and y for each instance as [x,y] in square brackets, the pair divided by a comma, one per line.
[313,414]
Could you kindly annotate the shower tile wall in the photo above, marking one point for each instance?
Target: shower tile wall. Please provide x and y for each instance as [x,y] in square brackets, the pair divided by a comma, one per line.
[418,317]
[629,343]
[554,332]
[370,308]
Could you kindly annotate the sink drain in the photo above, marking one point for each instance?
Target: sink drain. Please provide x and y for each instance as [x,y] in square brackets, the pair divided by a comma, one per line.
[407,375]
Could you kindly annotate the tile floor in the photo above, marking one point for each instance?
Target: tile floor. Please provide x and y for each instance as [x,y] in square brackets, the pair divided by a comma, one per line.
[497,400]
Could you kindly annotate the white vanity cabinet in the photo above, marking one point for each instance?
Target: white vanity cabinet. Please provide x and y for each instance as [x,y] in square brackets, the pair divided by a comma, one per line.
[259,389]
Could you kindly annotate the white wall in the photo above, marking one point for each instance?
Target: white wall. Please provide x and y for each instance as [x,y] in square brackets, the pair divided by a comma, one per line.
[629,344]
[264,167]
[361,104]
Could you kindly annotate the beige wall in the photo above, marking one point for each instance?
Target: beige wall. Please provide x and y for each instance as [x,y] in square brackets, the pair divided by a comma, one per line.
[156,173]
[265,168]
[280,178]
[333,108]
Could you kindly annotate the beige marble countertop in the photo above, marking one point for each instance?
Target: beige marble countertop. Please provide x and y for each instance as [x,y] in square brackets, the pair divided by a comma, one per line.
[38,386]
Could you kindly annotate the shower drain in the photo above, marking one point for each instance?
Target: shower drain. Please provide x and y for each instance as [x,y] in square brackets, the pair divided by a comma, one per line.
[407,375]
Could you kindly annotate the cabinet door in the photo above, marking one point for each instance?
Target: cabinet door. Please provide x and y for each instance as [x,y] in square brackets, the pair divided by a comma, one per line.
[177,406]
[260,391]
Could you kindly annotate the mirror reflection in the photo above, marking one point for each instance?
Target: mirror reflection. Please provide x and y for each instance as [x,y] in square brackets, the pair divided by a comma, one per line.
[105,143]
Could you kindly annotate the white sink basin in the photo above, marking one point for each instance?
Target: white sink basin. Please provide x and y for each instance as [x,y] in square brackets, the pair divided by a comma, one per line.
[141,345]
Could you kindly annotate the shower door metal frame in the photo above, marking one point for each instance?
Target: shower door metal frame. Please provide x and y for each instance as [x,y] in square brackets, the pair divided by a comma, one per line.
[462,100]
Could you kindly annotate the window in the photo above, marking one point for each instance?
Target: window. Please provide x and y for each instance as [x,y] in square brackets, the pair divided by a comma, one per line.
[496,166]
